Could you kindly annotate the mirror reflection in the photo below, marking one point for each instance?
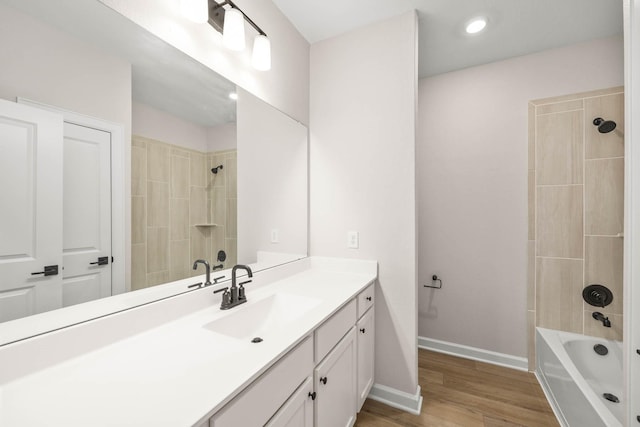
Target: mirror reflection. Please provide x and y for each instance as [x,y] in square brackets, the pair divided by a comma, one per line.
[113,99]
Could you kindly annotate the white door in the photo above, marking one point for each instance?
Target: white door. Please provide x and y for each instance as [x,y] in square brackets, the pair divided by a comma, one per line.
[87,215]
[30,210]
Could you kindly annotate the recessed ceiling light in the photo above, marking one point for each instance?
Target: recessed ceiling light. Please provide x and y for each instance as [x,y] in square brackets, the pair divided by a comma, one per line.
[233,96]
[476,25]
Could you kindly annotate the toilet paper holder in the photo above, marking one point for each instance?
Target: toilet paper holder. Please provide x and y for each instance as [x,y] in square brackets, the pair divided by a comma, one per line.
[436,282]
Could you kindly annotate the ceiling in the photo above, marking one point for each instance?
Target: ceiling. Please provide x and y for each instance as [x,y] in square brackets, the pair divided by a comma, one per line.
[516,27]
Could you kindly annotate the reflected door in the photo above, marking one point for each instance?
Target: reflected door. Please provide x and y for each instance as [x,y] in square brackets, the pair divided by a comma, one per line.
[87,215]
[30,210]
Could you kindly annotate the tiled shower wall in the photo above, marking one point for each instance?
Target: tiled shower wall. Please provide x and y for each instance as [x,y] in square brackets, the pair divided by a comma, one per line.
[576,180]
[180,211]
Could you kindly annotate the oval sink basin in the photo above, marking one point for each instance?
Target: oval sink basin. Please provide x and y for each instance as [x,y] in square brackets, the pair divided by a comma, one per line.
[263,318]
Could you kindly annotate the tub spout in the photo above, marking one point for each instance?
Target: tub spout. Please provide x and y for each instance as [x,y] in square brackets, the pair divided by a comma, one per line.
[605,320]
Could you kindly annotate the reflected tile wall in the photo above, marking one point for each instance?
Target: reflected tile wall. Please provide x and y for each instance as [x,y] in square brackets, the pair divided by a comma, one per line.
[576,181]
[175,198]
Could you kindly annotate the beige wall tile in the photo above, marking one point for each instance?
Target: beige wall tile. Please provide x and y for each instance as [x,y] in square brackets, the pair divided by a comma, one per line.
[559,221]
[180,152]
[157,278]
[560,107]
[599,145]
[531,339]
[138,141]
[559,148]
[232,218]
[532,136]
[198,170]
[138,220]
[594,328]
[158,204]
[531,275]
[232,176]
[531,190]
[603,265]
[157,249]
[138,171]
[559,294]
[180,264]
[217,242]
[179,219]
[138,267]
[581,95]
[200,244]
[158,162]
[232,252]
[219,206]
[198,206]
[604,197]
[180,176]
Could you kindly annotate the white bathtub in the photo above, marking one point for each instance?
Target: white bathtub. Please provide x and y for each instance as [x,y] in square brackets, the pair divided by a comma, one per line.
[574,378]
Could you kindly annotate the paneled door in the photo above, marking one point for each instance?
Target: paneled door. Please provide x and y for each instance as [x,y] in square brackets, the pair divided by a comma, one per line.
[31,159]
[86,214]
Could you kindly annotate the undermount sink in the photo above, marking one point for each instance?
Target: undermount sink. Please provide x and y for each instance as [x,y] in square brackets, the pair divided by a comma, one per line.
[263,318]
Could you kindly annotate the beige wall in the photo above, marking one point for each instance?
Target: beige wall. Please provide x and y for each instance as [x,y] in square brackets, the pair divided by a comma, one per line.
[176,201]
[472,188]
[362,174]
[576,187]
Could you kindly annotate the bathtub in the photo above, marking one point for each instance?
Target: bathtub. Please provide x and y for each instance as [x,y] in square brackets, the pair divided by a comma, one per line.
[574,378]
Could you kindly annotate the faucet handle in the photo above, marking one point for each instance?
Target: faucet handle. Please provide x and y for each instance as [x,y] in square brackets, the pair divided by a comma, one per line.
[195,285]
[244,283]
[215,279]
[221,290]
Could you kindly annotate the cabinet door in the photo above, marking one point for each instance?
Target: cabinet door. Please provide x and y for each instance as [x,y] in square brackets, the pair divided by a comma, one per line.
[366,349]
[335,385]
[298,410]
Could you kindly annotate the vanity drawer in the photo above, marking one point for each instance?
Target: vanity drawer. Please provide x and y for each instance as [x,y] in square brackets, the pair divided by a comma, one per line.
[366,299]
[331,331]
[260,400]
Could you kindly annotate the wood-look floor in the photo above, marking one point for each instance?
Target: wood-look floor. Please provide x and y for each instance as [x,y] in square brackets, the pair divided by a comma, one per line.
[462,392]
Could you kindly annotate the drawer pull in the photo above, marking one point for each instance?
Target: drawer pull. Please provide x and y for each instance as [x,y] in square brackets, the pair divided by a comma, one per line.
[362,330]
[312,395]
[368,298]
[323,380]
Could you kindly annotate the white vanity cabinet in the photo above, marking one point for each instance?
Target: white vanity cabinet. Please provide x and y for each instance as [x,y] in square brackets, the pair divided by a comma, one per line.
[365,331]
[335,385]
[298,410]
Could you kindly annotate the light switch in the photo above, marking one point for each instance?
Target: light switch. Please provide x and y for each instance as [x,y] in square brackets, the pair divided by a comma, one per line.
[353,240]
[274,236]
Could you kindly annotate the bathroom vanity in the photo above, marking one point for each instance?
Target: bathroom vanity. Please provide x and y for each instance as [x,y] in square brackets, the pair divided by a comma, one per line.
[298,353]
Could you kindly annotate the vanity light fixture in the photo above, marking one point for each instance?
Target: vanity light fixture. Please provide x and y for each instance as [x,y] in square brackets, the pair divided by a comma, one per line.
[476,25]
[229,19]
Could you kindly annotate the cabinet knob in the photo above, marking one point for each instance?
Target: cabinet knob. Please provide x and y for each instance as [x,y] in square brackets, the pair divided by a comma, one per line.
[323,380]
[312,395]
[368,298]
[362,330]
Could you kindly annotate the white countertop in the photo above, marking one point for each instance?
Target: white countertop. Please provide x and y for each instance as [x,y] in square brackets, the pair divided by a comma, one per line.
[178,373]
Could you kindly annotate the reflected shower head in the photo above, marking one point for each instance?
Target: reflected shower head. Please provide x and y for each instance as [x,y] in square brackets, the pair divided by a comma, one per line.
[215,170]
[604,126]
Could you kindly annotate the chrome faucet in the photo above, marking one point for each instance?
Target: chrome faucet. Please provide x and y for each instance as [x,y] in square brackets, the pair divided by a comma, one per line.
[235,295]
[605,320]
[207,270]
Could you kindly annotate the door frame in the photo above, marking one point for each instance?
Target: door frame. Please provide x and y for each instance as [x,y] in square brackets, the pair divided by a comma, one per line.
[119,282]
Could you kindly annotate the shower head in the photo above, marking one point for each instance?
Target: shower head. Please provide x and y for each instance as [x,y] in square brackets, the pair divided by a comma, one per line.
[604,126]
[215,170]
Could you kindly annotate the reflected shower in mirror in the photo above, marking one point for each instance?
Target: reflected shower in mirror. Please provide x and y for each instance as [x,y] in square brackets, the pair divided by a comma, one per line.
[131,102]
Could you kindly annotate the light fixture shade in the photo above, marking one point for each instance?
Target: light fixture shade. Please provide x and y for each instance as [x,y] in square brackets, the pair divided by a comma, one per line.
[233,30]
[195,10]
[261,57]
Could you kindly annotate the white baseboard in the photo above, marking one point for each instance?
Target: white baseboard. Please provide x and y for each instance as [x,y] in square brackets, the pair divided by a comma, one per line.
[408,402]
[473,353]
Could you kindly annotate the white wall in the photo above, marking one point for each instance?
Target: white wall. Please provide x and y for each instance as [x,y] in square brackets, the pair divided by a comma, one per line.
[362,174]
[150,122]
[222,137]
[285,86]
[472,188]
[272,149]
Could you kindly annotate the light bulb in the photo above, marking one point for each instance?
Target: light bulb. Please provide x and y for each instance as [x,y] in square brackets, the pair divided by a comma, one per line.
[261,58]
[476,25]
[233,29]
[196,10]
